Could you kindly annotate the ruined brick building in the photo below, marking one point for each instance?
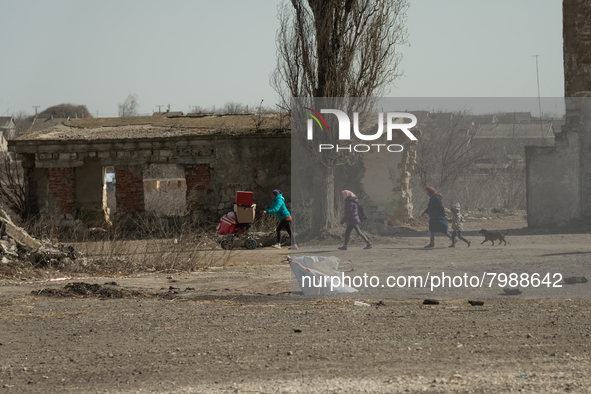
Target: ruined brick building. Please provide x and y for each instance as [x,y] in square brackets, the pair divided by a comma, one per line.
[65,165]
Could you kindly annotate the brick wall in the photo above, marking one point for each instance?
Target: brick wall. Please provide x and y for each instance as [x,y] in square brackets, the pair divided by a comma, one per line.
[62,188]
[129,189]
[198,177]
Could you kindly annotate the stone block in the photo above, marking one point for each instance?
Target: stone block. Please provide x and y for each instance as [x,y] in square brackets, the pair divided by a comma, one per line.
[144,153]
[19,234]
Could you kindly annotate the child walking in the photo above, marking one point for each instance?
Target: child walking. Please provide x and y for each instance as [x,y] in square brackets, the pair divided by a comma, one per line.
[351,218]
[457,226]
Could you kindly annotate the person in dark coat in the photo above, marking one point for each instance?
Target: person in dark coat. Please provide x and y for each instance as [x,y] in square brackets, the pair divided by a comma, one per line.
[351,218]
[437,216]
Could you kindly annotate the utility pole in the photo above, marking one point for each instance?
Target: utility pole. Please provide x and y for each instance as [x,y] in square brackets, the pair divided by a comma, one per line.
[539,100]
[160,108]
[36,106]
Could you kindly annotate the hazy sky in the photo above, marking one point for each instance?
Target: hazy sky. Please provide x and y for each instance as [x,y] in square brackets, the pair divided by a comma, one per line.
[193,52]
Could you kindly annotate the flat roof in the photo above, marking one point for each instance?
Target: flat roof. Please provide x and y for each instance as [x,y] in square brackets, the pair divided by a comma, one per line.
[149,127]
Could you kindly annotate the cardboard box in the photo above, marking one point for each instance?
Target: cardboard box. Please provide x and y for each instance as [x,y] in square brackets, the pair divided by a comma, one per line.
[244,198]
[245,214]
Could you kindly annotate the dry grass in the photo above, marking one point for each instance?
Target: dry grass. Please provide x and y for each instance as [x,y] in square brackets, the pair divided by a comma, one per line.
[136,245]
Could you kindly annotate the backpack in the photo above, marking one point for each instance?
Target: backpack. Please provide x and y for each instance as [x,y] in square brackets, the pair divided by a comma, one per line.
[361,212]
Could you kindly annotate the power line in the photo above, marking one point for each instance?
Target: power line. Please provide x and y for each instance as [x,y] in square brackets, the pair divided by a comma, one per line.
[539,100]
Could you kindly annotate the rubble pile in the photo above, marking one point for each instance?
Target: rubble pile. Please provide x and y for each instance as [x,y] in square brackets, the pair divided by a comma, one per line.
[88,290]
[18,251]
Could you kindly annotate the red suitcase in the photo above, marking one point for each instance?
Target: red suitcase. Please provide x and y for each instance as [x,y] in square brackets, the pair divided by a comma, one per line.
[245,198]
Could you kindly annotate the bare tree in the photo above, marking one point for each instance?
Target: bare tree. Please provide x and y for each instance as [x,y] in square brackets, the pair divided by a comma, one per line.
[129,107]
[260,115]
[336,48]
[445,150]
[22,123]
[234,108]
[12,188]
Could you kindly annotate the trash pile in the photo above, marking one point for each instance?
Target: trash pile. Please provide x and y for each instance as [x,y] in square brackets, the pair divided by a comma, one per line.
[18,250]
[316,275]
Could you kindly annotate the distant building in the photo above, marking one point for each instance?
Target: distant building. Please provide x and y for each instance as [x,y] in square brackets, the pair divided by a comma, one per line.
[515,117]
[7,129]
[511,139]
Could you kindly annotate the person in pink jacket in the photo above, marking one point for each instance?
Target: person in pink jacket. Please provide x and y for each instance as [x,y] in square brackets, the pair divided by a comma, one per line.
[351,218]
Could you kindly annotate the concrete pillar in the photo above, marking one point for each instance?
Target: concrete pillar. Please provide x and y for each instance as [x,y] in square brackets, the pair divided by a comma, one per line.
[62,191]
[198,177]
[30,184]
[129,188]
[576,31]
[577,88]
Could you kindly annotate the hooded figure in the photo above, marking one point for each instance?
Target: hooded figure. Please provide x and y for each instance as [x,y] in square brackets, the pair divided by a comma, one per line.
[436,212]
[351,219]
[351,216]
[278,207]
[457,226]
[437,215]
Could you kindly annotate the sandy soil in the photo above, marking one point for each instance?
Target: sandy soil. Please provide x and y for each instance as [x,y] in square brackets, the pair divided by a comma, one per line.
[237,328]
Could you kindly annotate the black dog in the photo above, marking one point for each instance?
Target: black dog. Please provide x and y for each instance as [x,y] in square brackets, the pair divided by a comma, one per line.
[492,236]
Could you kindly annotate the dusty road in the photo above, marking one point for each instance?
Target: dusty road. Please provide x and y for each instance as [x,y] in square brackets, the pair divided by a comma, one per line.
[238,329]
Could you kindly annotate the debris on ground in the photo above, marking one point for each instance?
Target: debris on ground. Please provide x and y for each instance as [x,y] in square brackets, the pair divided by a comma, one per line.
[575,279]
[512,291]
[430,302]
[88,290]
[475,303]
[19,250]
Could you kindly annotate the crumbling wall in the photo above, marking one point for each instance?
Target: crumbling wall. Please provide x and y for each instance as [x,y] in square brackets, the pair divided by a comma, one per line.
[387,181]
[62,190]
[559,178]
[406,165]
[552,182]
[259,165]
[129,189]
[198,178]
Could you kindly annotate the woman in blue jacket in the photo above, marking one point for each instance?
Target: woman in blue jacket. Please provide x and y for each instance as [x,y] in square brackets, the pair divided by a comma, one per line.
[278,207]
[437,216]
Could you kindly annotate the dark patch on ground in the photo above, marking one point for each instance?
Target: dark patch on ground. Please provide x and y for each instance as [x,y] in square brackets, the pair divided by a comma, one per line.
[88,290]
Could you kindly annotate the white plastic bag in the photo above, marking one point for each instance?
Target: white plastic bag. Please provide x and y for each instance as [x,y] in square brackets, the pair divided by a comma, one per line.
[318,275]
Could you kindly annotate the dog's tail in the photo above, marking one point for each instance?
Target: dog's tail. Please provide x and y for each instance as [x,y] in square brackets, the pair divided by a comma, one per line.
[507,232]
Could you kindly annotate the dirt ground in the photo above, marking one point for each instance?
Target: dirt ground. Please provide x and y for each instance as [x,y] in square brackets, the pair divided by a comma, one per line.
[237,327]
